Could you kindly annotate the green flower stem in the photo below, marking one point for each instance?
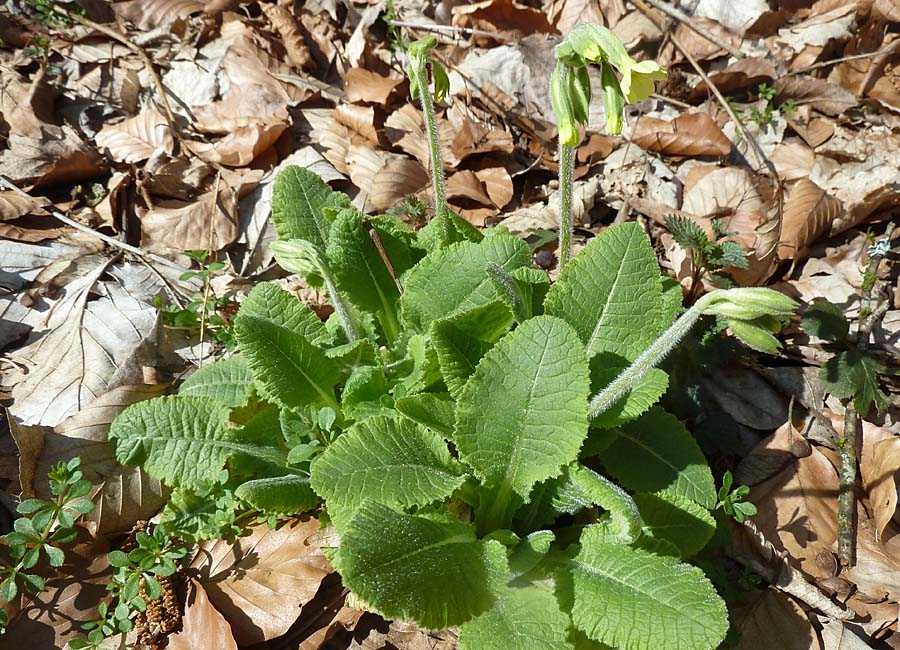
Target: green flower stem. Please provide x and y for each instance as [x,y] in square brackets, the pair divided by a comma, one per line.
[566,190]
[341,308]
[495,509]
[434,148]
[650,357]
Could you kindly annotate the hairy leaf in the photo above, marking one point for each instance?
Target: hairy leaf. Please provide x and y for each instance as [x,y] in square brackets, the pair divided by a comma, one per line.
[852,374]
[283,495]
[682,522]
[522,619]
[453,280]
[827,321]
[604,368]
[655,453]
[435,573]
[434,410]
[389,459]
[228,381]
[183,441]
[361,273]
[298,197]
[635,600]
[461,341]
[270,302]
[523,414]
[611,294]
[288,369]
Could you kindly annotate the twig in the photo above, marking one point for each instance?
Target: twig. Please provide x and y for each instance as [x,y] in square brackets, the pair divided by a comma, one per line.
[876,66]
[843,59]
[453,29]
[760,154]
[674,102]
[688,22]
[142,55]
[112,241]
[209,244]
[848,443]
[773,565]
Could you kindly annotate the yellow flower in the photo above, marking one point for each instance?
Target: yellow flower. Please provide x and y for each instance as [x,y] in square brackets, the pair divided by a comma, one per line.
[638,78]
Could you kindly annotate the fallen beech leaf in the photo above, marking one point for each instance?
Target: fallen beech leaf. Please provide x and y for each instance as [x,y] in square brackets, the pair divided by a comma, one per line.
[405,128]
[383,178]
[820,29]
[887,10]
[56,155]
[798,503]
[190,226]
[502,15]
[241,146]
[473,137]
[13,205]
[808,214]
[202,624]
[880,479]
[284,23]
[255,104]
[137,138]
[689,134]
[772,619]
[361,85]
[565,14]
[465,184]
[876,571]
[260,581]
[743,73]
[149,14]
[31,229]
[828,98]
[793,160]
[702,48]
[345,618]
[497,183]
[838,636]
[815,132]
[359,119]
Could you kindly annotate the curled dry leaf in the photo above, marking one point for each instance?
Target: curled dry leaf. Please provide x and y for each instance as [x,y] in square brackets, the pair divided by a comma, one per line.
[502,15]
[360,120]
[56,155]
[240,146]
[689,134]
[361,85]
[743,73]
[148,15]
[137,138]
[474,137]
[13,205]
[793,160]
[383,178]
[828,98]
[202,624]
[880,478]
[260,581]
[772,619]
[209,221]
[808,214]
[797,503]
[405,128]
[291,36]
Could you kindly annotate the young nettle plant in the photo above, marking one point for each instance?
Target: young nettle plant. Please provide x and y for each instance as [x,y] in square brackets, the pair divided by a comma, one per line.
[460,421]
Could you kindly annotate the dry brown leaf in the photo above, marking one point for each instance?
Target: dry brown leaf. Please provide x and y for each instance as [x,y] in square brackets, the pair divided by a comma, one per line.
[887,10]
[405,128]
[828,98]
[291,36]
[198,224]
[497,183]
[361,85]
[689,134]
[252,104]
[741,74]
[797,504]
[815,131]
[31,229]
[57,155]
[793,160]
[359,119]
[808,214]
[13,205]
[260,581]
[502,15]
[877,568]
[240,147]
[383,178]
[880,478]
[772,619]
[149,14]
[345,619]
[137,138]
[474,137]
[700,47]
[837,635]
[883,86]
[202,624]
[465,184]
[565,14]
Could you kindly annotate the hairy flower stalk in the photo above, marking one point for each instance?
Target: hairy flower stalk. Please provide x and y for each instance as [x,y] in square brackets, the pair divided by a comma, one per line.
[566,161]
[747,311]
[418,76]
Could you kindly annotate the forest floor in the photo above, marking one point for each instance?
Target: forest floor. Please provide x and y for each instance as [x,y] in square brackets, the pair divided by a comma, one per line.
[139,140]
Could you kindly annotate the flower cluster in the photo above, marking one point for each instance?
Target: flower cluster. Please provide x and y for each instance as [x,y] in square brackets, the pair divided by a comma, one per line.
[570,88]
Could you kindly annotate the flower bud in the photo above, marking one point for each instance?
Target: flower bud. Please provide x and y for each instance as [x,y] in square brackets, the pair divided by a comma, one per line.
[613,100]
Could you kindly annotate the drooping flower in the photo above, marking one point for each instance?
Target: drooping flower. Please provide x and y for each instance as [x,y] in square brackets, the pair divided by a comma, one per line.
[638,78]
[613,100]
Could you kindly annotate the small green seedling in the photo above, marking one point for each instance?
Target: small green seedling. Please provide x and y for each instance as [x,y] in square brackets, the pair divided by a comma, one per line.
[708,257]
[732,501]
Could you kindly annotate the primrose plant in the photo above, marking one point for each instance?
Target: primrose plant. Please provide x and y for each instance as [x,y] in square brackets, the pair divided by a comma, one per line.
[483,443]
